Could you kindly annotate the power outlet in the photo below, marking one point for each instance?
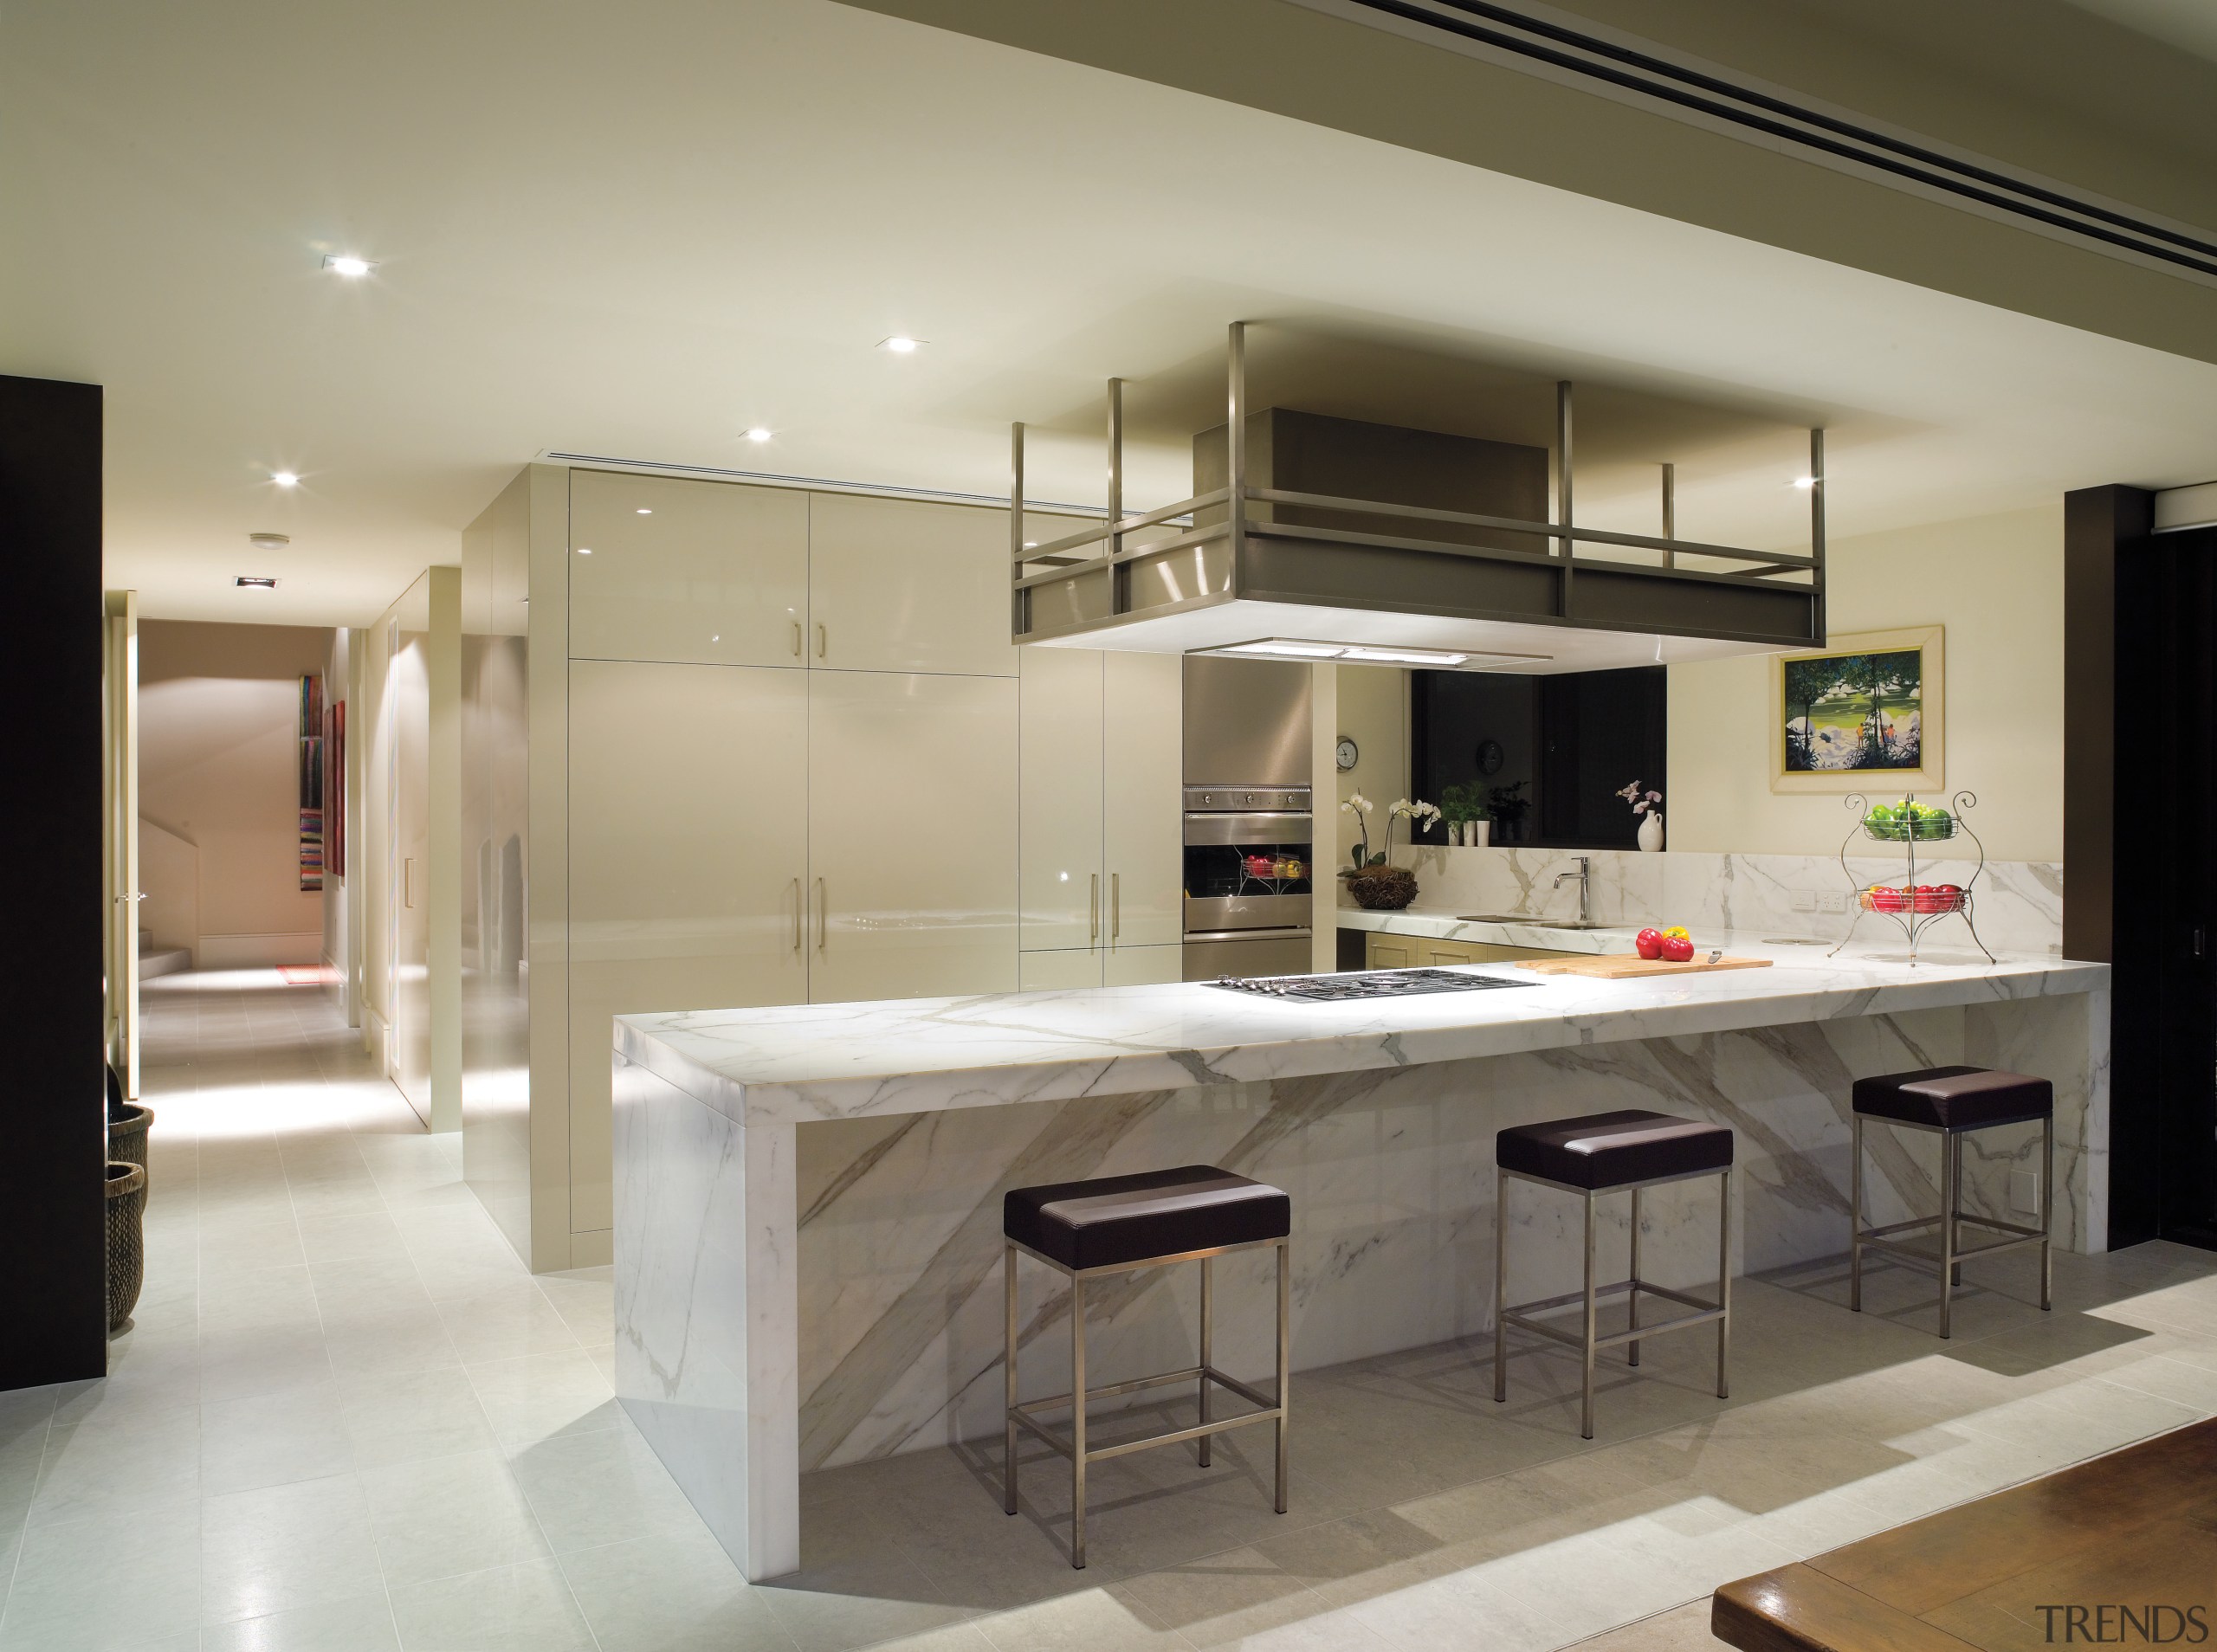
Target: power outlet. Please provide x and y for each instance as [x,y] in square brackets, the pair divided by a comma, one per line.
[1804,899]
[1832,900]
[2024,1192]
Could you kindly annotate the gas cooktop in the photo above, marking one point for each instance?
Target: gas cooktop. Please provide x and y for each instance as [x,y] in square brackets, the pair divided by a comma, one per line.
[1373,983]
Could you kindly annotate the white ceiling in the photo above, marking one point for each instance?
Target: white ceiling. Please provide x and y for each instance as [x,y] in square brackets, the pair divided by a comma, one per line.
[638,231]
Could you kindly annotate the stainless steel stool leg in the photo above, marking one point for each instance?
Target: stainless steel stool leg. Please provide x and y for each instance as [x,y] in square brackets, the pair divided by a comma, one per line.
[1078,1422]
[1855,1222]
[1008,1364]
[1724,1283]
[2047,1214]
[1585,1409]
[1631,1296]
[1500,1286]
[1208,1326]
[1285,1350]
[1949,1162]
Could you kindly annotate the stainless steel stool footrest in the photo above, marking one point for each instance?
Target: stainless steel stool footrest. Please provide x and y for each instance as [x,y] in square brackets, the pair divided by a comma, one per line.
[1708,1313]
[1270,1413]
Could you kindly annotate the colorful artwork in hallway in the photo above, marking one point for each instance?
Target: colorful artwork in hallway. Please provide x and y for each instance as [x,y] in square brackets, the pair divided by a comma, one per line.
[311,761]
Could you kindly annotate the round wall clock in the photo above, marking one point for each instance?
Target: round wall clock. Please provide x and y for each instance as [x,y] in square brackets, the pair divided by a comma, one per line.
[1345,754]
[1490,757]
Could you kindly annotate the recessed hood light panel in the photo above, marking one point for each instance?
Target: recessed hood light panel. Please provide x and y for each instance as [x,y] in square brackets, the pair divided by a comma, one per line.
[1279,648]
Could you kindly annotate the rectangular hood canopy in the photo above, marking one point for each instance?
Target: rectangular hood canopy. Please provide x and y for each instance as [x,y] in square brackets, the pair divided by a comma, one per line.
[1324,539]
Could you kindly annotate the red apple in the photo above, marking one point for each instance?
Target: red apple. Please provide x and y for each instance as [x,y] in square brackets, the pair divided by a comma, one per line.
[1648,943]
[1677,949]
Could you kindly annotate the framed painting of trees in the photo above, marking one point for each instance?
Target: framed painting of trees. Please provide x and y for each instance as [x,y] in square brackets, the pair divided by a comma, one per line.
[1865,714]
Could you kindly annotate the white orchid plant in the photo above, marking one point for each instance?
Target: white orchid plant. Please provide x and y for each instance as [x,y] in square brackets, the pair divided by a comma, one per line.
[1641,802]
[1356,804]
[1419,815]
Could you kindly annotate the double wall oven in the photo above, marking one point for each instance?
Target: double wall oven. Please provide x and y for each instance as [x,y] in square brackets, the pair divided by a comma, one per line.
[1250,829]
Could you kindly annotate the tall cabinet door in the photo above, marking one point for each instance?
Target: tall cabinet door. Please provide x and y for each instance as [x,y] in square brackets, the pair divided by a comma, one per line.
[896,584]
[688,790]
[1142,800]
[665,569]
[1058,701]
[912,835]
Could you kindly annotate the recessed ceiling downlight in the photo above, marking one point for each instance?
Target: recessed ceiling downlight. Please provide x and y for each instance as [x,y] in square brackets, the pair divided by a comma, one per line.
[255,581]
[348,265]
[285,478]
[900,345]
[268,541]
[759,433]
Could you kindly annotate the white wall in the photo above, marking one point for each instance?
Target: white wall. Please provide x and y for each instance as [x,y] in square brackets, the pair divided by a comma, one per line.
[218,768]
[1996,583]
[1374,712]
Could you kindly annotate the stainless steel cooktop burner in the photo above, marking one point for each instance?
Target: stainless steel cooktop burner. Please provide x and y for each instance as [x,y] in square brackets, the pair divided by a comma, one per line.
[1373,984]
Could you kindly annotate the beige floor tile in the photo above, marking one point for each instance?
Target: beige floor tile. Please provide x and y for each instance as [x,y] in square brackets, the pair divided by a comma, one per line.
[403,1416]
[542,1396]
[1685,1629]
[284,1547]
[505,1323]
[111,1580]
[524,1607]
[592,1489]
[116,1460]
[442,1516]
[271,1439]
[1091,1620]
[1224,1599]
[676,1591]
[363,1623]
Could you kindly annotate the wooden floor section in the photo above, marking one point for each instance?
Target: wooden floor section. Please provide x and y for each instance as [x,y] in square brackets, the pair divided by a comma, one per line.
[2120,1550]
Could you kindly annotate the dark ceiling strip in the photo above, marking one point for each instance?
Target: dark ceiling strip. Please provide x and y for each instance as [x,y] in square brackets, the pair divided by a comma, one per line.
[1635,71]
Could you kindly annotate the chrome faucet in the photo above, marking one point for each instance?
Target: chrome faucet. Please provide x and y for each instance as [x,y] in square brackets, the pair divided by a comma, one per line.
[1585,876]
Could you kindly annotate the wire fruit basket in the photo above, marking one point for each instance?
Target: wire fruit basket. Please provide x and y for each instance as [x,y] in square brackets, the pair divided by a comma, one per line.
[1913,906]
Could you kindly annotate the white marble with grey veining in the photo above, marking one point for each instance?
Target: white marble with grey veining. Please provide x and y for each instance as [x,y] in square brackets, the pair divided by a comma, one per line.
[808,1220]
[2018,904]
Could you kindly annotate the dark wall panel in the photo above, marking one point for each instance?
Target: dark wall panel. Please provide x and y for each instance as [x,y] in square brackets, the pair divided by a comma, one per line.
[52,1219]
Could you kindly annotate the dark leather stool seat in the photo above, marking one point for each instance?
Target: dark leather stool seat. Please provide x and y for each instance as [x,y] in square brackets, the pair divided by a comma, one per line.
[1948,1101]
[1611,1152]
[1956,1098]
[1119,1224]
[1615,1149]
[1119,1221]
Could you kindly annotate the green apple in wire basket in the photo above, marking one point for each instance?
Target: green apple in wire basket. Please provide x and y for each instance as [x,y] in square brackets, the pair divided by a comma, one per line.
[1908,819]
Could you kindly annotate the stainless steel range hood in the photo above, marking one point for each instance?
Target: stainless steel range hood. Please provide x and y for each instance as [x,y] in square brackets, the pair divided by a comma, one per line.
[1315,537]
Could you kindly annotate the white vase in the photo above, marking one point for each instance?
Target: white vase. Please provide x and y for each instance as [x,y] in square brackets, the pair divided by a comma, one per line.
[1481,834]
[1455,833]
[1650,831]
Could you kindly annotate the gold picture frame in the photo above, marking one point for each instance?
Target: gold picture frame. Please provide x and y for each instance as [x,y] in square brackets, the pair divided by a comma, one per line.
[1874,721]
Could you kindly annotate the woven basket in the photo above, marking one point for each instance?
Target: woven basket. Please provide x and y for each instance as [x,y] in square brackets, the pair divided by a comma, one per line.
[126,1241]
[1382,888]
[126,1136]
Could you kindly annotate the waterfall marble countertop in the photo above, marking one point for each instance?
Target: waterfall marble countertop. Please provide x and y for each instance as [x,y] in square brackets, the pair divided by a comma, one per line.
[802,1063]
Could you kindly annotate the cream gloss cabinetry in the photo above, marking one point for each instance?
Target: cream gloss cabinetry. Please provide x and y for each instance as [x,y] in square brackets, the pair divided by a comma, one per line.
[688,855]
[912,835]
[899,585]
[668,570]
[1100,853]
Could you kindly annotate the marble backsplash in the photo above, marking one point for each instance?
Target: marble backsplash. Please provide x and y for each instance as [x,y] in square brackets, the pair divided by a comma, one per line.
[2018,904]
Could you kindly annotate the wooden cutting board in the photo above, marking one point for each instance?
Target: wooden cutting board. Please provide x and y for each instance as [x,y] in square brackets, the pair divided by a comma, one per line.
[1627,966]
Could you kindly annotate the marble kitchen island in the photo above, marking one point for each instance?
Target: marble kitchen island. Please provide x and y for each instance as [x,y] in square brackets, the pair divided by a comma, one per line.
[808,1198]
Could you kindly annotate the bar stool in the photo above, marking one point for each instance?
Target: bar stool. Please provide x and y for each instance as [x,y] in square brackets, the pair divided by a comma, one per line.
[1119,1224]
[1611,1152]
[1951,1102]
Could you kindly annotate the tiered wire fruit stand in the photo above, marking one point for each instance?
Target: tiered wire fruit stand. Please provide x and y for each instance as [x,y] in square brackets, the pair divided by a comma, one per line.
[1914,911]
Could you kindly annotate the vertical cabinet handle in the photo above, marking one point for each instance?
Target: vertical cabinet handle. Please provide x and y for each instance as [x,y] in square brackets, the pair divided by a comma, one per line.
[1116,907]
[823,641]
[823,914]
[1093,914]
[799,900]
[796,649]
